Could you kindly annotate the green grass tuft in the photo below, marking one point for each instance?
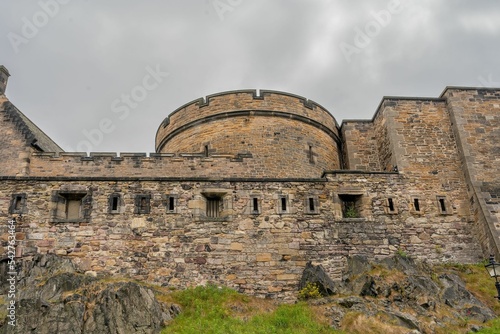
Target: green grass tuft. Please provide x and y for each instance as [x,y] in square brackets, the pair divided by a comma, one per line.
[494,327]
[208,310]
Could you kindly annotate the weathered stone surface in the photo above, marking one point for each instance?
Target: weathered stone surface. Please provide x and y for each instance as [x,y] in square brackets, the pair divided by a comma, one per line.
[125,308]
[36,316]
[53,298]
[403,292]
[457,296]
[356,265]
[316,275]
[421,175]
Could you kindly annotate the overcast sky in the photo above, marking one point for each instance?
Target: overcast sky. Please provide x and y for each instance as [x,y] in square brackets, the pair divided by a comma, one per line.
[73,62]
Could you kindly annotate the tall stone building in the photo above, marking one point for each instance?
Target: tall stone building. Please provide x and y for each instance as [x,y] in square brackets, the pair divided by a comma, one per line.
[246,187]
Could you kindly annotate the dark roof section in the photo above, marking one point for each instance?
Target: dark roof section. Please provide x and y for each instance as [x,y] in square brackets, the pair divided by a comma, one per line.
[33,135]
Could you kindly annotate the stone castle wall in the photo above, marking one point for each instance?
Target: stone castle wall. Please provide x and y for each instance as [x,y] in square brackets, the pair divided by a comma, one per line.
[283,133]
[289,186]
[475,115]
[14,155]
[136,165]
[360,146]
[246,100]
[261,253]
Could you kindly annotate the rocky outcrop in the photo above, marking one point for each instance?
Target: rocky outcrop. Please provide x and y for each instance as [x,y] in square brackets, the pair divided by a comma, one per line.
[54,298]
[407,294]
[315,274]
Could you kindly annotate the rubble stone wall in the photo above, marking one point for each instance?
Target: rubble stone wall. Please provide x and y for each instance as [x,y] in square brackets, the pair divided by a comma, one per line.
[262,253]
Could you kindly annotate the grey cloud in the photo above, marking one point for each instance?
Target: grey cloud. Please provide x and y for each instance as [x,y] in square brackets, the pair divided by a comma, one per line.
[89,54]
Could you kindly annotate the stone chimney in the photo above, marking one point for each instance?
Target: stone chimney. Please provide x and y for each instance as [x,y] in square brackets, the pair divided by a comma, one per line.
[4,77]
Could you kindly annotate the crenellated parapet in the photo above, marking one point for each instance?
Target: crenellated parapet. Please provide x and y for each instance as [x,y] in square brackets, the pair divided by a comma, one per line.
[98,165]
[274,127]
[224,104]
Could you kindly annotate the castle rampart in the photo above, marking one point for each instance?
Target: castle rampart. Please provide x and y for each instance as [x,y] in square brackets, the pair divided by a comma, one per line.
[246,188]
[262,252]
[270,127]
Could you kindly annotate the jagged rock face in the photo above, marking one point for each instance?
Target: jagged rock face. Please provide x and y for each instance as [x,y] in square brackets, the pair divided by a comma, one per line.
[142,310]
[456,295]
[54,298]
[317,275]
[404,292]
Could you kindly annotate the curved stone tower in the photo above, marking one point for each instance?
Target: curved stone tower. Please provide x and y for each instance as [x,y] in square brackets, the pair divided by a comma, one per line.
[278,135]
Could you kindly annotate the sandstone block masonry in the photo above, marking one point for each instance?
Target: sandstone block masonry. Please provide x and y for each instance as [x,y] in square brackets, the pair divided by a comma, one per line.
[245,188]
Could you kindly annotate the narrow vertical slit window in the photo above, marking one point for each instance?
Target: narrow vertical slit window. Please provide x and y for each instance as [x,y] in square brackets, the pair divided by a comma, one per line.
[255,205]
[311,154]
[312,208]
[283,204]
[311,205]
[390,201]
[442,204]
[416,204]
[114,203]
[171,203]
[206,150]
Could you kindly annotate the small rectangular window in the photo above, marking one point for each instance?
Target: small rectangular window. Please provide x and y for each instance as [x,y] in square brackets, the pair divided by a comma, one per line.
[416,205]
[442,205]
[213,207]
[171,203]
[218,206]
[311,154]
[351,205]
[311,204]
[142,204]
[391,204]
[18,204]
[72,206]
[282,204]
[255,205]
[114,203]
